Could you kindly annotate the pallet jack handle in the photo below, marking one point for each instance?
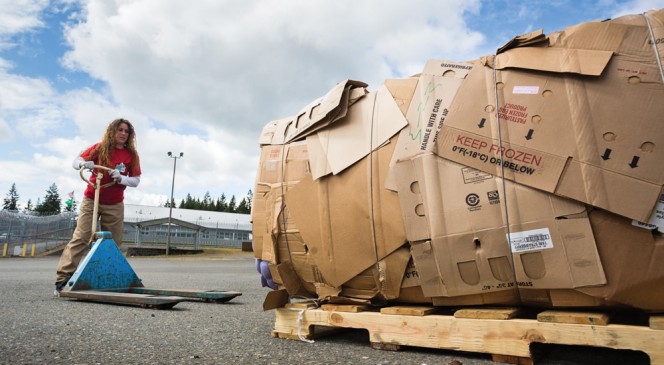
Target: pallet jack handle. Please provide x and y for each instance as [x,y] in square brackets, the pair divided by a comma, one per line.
[97,188]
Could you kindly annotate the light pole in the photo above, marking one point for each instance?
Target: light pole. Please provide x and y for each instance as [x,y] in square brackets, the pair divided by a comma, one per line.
[170,204]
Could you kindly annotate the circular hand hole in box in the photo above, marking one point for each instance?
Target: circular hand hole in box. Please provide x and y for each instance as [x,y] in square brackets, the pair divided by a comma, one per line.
[609,136]
[647,147]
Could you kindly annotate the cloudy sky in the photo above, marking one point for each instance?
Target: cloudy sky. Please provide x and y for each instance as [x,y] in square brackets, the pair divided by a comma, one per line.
[203,77]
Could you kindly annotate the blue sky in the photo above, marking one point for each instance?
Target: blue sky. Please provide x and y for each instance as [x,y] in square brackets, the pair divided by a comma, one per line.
[204,77]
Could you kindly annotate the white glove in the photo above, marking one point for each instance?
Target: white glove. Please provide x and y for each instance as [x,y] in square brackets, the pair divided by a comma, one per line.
[115,174]
[87,164]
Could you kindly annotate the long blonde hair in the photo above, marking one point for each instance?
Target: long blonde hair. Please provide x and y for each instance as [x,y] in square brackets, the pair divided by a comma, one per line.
[107,144]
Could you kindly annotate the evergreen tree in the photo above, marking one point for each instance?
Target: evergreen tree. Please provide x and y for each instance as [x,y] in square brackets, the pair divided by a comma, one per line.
[28,206]
[51,204]
[207,204]
[189,202]
[242,207]
[181,204]
[172,203]
[221,203]
[250,199]
[11,201]
[231,205]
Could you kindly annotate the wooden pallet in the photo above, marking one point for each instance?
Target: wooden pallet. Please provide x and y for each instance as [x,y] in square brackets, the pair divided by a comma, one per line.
[505,333]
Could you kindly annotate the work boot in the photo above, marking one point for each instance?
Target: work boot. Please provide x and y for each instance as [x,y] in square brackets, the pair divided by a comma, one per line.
[59,286]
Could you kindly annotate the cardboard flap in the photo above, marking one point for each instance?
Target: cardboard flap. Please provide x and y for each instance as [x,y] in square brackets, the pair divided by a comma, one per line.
[427,269]
[402,91]
[274,132]
[562,60]
[412,204]
[267,133]
[318,162]
[368,125]
[436,89]
[324,110]
[528,39]
[275,299]
[383,279]
[291,280]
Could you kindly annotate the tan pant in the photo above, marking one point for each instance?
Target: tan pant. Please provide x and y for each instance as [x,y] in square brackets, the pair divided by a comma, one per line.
[112,220]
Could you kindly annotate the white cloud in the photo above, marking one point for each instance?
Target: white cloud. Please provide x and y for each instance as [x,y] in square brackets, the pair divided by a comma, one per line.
[637,7]
[20,15]
[237,66]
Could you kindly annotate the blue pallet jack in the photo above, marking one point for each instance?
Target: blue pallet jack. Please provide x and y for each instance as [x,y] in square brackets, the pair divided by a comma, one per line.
[105,276]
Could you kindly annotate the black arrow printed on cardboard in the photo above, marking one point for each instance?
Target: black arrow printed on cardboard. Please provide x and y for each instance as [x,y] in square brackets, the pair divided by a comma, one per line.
[635,161]
[529,136]
[481,125]
[606,154]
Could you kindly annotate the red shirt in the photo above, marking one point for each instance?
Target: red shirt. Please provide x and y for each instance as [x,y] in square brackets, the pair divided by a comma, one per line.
[120,159]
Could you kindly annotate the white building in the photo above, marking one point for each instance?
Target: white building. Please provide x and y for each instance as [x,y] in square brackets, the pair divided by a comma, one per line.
[146,225]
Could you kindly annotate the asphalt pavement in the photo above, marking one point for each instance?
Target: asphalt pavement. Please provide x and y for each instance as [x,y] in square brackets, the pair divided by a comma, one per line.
[36,328]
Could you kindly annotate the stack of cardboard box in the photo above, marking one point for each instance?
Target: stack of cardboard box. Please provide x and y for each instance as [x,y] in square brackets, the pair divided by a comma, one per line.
[518,178]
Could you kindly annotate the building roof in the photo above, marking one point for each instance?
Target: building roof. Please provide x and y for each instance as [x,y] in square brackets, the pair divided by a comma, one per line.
[205,218]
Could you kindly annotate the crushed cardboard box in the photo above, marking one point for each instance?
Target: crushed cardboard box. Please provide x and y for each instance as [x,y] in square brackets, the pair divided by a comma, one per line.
[399,195]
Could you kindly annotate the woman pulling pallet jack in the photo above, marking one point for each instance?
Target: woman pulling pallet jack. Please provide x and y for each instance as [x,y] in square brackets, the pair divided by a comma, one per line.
[105,275]
[116,154]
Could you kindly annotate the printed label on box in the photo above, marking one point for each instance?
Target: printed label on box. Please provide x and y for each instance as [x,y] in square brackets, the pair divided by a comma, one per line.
[536,239]
[471,175]
[656,220]
[525,90]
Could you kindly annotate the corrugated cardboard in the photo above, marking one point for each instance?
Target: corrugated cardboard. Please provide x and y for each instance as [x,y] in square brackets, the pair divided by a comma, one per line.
[574,121]
[632,258]
[368,124]
[402,91]
[579,113]
[415,294]
[259,222]
[349,220]
[383,279]
[468,251]
[283,163]
[437,85]
[326,110]
[282,166]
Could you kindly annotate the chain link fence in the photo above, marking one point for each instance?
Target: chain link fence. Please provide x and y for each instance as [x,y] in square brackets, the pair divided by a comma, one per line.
[26,234]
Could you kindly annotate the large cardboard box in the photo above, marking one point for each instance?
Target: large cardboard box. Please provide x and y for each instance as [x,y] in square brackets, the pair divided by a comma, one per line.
[457,218]
[579,118]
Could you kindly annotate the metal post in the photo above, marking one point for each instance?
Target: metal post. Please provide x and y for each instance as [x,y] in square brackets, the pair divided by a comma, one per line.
[235,232]
[170,203]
